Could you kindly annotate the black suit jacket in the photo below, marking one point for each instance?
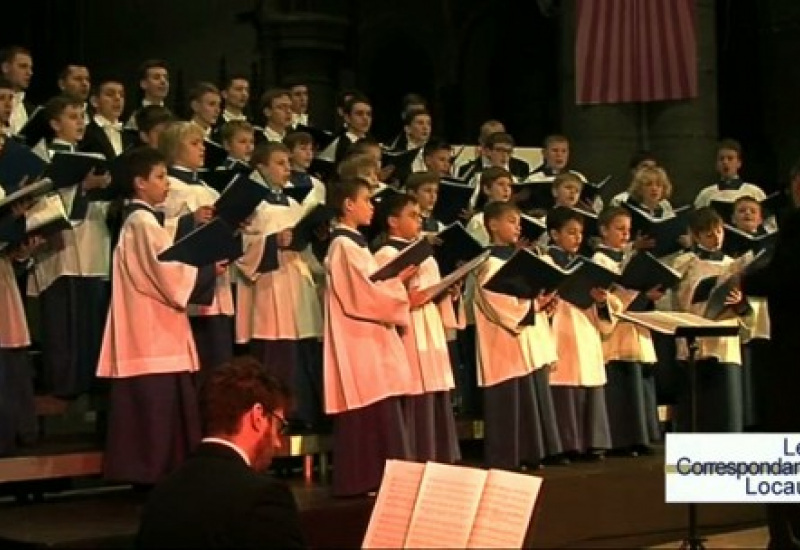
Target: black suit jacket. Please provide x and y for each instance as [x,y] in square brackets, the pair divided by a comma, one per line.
[95,140]
[214,500]
[780,283]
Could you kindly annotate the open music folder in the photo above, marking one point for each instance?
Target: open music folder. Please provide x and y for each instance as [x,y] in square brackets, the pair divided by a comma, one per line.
[681,323]
[442,506]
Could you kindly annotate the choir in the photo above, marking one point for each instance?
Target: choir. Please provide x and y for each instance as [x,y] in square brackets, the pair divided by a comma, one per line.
[382,362]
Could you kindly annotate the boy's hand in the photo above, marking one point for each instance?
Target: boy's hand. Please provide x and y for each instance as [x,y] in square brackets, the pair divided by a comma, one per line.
[417,298]
[385,173]
[643,242]
[433,239]
[734,297]
[203,214]
[94,180]
[18,210]
[685,240]
[655,293]
[284,238]
[455,290]
[522,242]
[599,295]
[466,214]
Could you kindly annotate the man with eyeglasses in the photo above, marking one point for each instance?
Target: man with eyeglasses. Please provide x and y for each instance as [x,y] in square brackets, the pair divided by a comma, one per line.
[220,497]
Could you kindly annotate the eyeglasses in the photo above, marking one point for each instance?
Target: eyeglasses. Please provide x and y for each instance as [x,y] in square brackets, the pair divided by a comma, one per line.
[283,424]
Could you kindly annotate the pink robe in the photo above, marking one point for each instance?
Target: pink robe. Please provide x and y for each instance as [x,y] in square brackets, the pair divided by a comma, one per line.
[13,323]
[364,359]
[627,341]
[425,339]
[507,349]
[281,304]
[147,329]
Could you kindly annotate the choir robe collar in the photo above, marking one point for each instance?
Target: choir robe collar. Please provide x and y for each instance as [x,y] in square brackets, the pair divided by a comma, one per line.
[502,251]
[205,129]
[657,212]
[273,135]
[548,171]
[62,146]
[760,231]
[348,232]
[276,196]
[710,255]
[300,179]
[613,253]
[561,257]
[184,174]
[733,184]
[228,116]
[104,123]
[137,204]
[397,243]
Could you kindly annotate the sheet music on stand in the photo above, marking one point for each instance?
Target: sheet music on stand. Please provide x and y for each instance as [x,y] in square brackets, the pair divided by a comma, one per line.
[681,324]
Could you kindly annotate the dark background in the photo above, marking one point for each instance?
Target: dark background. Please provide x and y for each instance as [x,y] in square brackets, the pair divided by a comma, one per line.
[473,59]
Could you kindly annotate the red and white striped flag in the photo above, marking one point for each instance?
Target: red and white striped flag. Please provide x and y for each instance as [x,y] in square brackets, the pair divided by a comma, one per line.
[635,51]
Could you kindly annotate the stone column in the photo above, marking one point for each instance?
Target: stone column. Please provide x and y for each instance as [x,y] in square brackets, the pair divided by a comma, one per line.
[308,47]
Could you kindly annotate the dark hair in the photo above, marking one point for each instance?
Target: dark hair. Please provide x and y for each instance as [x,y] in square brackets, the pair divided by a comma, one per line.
[346,95]
[704,219]
[415,180]
[608,215]
[229,391]
[8,54]
[496,210]
[413,99]
[137,162]
[230,129]
[348,106]
[64,72]
[640,156]
[264,151]
[410,114]
[97,85]
[492,174]
[200,89]
[151,64]
[228,82]
[343,189]
[293,139]
[560,216]
[151,116]
[56,106]
[391,207]
[747,198]
[293,82]
[435,144]
[497,138]
[730,145]
[271,95]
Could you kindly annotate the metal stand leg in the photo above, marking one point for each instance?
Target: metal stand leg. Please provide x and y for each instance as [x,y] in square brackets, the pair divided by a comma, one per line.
[693,541]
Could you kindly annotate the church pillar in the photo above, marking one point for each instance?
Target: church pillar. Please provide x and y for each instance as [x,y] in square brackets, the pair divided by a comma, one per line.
[307,47]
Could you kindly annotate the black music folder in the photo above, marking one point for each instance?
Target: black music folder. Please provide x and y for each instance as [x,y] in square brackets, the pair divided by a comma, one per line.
[18,163]
[644,272]
[413,254]
[455,246]
[239,200]
[208,244]
[665,231]
[525,275]
[305,232]
[738,242]
[589,275]
[454,197]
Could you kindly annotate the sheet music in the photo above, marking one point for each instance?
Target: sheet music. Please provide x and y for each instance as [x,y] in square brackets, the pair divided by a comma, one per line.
[667,322]
[446,505]
[395,504]
[44,211]
[446,282]
[505,510]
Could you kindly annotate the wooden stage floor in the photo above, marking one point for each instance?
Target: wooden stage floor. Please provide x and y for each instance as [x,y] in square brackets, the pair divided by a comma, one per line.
[611,504]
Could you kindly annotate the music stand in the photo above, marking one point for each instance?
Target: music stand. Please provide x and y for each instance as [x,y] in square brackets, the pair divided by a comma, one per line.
[691,327]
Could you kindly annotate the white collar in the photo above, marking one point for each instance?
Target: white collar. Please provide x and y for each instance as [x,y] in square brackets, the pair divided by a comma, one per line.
[146,102]
[273,135]
[19,96]
[229,116]
[230,445]
[103,122]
